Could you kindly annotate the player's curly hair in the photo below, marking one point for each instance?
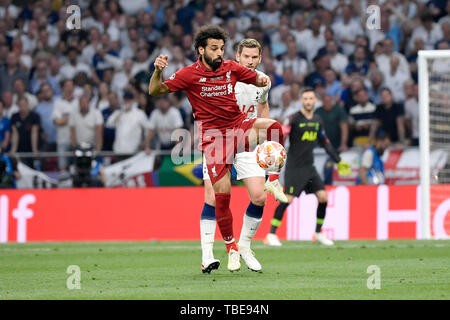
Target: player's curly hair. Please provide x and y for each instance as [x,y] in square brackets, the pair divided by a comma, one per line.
[209,32]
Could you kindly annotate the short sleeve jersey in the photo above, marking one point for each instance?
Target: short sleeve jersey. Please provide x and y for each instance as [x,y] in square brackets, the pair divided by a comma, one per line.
[248,96]
[211,93]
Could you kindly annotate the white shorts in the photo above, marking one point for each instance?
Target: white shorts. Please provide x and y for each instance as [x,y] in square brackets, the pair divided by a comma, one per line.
[245,165]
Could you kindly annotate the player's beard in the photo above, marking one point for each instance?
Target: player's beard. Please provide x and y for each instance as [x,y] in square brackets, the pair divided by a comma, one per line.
[214,64]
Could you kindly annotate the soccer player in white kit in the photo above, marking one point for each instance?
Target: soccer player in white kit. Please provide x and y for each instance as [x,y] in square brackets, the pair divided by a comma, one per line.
[254,102]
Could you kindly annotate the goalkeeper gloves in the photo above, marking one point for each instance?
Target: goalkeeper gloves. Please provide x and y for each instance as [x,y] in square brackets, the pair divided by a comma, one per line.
[344,168]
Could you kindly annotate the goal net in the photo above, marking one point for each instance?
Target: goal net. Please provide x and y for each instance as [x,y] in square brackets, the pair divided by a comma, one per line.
[434,141]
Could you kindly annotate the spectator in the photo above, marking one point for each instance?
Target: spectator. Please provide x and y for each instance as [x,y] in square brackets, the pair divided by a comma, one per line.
[94,45]
[130,124]
[321,64]
[276,93]
[25,126]
[412,111]
[9,108]
[270,17]
[300,31]
[62,109]
[291,59]
[10,72]
[371,171]
[359,64]
[109,133]
[122,78]
[5,130]
[375,84]
[163,120]
[86,125]
[101,101]
[361,118]
[45,110]
[278,40]
[389,117]
[335,121]
[338,61]
[41,75]
[284,109]
[333,86]
[395,80]
[428,30]
[70,69]
[20,91]
[419,44]
[316,40]
[346,30]
[348,95]
[383,60]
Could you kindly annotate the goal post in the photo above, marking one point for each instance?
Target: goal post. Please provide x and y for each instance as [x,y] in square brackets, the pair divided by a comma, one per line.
[431,135]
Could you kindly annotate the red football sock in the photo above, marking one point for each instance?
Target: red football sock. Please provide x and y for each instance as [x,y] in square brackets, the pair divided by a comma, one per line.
[275,133]
[273,176]
[224,218]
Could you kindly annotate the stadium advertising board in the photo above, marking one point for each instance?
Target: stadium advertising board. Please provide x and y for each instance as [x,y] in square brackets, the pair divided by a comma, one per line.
[172,213]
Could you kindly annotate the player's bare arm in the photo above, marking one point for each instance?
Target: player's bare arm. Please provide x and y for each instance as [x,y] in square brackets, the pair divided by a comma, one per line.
[262,110]
[156,86]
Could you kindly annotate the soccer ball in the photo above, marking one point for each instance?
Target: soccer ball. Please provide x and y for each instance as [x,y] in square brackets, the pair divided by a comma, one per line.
[270,155]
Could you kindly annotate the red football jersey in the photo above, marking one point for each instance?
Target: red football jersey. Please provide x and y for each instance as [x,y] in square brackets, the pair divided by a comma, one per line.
[211,93]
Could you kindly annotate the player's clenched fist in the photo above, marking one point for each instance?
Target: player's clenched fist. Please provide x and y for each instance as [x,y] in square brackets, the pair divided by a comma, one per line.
[161,62]
[262,81]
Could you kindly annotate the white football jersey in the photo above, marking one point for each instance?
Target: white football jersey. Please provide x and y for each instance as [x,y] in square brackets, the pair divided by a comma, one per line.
[248,96]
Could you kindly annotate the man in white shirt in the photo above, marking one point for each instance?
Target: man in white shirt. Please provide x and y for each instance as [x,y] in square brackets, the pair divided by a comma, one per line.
[346,30]
[395,79]
[86,125]
[383,60]
[428,30]
[70,69]
[270,18]
[62,109]
[19,91]
[338,61]
[163,121]
[130,124]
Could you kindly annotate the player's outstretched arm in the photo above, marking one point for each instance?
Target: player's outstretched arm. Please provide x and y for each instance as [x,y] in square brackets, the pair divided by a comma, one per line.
[156,87]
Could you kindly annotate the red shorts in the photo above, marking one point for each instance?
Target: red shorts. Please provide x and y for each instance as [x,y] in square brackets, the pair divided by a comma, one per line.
[220,152]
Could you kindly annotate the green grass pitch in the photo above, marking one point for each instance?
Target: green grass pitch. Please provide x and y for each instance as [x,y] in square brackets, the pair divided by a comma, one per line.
[171,270]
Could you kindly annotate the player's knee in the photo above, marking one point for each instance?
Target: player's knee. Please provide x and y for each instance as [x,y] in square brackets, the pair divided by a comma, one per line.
[322,196]
[259,199]
[210,199]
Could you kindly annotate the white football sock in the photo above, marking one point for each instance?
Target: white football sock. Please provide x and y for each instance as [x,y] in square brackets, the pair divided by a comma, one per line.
[207,233]
[248,231]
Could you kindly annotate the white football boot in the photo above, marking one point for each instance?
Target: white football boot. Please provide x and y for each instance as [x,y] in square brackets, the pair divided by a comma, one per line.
[212,264]
[234,263]
[323,239]
[275,188]
[249,258]
[272,240]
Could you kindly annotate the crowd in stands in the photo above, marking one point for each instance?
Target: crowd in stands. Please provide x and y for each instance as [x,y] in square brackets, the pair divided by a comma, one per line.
[61,86]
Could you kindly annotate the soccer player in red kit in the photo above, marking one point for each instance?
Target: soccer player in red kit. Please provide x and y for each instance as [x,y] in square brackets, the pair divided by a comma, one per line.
[224,129]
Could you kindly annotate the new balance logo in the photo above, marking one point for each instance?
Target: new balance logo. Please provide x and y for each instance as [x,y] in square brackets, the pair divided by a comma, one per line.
[202,80]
